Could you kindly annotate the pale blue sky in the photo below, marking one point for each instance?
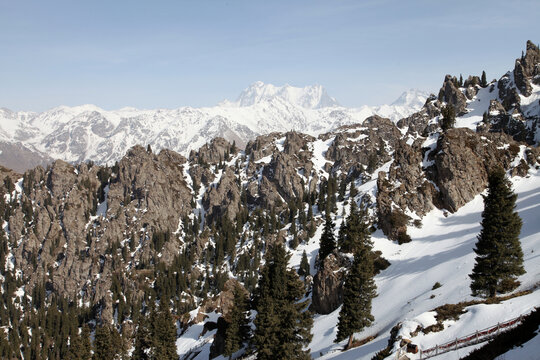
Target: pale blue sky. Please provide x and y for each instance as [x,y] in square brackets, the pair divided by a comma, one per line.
[166,54]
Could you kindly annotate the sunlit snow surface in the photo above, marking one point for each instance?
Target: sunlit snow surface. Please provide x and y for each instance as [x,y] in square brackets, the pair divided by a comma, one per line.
[441,251]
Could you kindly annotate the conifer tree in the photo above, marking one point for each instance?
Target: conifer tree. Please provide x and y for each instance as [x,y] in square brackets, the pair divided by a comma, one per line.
[499,257]
[327,241]
[283,324]
[359,290]
[355,231]
[238,330]
[483,80]
[103,345]
[143,341]
[163,334]
[303,270]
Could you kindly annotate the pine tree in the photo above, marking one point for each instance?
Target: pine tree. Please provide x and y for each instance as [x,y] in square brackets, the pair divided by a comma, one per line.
[283,323]
[238,330]
[303,270]
[358,292]
[327,241]
[483,80]
[499,258]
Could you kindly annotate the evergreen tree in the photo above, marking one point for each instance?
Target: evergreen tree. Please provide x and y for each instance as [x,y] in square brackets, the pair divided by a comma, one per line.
[499,258]
[238,330]
[80,347]
[359,290]
[283,323]
[103,345]
[303,270]
[483,80]
[143,341]
[327,241]
[448,117]
[163,334]
[460,80]
[355,231]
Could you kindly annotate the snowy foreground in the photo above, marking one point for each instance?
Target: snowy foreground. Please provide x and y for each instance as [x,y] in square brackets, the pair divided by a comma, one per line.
[440,251]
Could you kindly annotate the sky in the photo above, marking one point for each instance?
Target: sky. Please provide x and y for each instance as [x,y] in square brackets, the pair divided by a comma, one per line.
[168,54]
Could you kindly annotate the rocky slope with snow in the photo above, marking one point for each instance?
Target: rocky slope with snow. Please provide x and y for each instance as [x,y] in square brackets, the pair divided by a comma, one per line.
[161,225]
[81,133]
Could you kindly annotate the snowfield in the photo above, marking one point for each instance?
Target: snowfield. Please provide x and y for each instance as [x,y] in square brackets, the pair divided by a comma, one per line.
[441,251]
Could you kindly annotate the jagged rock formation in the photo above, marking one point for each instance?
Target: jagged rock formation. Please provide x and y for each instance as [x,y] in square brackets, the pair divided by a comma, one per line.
[328,284]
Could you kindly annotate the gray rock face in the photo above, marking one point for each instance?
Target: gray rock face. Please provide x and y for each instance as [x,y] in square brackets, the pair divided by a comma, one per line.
[406,187]
[212,153]
[223,200]
[62,237]
[328,284]
[362,145]
[527,69]
[450,94]
[418,123]
[462,161]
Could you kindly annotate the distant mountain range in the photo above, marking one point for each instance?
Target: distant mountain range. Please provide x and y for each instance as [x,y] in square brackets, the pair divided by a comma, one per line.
[87,132]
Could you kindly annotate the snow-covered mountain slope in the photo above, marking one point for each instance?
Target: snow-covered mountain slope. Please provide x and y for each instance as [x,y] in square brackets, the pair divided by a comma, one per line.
[441,251]
[87,132]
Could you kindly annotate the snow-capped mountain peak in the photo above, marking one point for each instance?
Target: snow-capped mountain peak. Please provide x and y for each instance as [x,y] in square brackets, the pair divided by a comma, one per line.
[411,97]
[84,132]
[310,97]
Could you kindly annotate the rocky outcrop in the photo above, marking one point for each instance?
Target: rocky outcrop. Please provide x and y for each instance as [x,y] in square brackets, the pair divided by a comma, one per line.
[224,198]
[419,122]
[452,95]
[213,153]
[328,283]
[405,188]
[462,160]
[527,69]
[363,145]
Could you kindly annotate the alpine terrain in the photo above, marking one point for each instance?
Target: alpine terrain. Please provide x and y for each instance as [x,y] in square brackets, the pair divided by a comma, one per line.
[278,226]
[82,133]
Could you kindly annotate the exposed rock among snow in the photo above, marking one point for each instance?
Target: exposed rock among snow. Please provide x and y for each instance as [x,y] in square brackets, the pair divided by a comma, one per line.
[224,198]
[527,69]
[451,94]
[462,160]
[328,284]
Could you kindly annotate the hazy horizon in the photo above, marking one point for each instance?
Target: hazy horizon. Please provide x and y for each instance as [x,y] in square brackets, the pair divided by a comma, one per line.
[172,54]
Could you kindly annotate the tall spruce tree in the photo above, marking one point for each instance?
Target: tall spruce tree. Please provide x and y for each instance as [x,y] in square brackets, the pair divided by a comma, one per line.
[283,324]
[328,240]
[238,330]
[358,292]
[304,269]
[483,80]
[355,231]
[499,258]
